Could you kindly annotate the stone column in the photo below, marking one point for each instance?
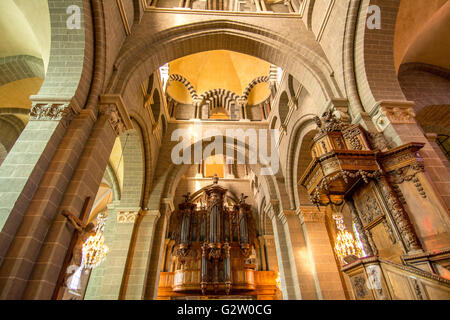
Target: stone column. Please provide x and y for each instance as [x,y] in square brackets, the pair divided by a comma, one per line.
[242,105]
[118,232]
[285,254]
[135,277]
[26,163]
[52,240]
[328,281]
[156,256]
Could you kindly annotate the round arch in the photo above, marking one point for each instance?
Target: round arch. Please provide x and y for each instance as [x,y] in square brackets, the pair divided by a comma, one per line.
[140,58]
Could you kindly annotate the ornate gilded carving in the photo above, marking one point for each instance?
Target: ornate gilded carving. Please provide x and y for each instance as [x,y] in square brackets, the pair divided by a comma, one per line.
[377,141]
[351,134]
[329,122]
[389,231]
[399,193]
[359,285]
[359,227]
[399,215]
[344,175]
[409,173]
[369,209]
[417,289]
[371,242]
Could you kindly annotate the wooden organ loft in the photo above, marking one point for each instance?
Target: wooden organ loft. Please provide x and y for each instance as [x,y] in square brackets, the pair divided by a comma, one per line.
[213,251]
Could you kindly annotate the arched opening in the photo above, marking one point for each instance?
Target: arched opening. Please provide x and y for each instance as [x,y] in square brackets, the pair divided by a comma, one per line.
[156,105]
[283,107]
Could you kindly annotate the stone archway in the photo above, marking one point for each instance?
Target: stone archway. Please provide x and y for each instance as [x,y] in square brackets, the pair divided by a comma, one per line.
[303,59]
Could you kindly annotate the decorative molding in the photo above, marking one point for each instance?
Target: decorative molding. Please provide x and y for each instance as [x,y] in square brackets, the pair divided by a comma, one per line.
[128,216]
[399,215]
[351,135]
[408,173]
[54,110]
[123,15]
[417,289]
[325,20]
[393,112]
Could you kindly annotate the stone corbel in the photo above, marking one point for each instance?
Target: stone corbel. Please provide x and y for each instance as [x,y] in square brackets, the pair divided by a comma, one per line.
[393,112]
[114,108]
[53,109]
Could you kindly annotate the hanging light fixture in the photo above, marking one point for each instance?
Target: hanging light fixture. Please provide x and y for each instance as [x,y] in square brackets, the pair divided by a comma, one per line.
[94,249]
[345,245]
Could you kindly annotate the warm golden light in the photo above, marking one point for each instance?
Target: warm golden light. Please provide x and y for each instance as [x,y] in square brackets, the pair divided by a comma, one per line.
[345,244]
[94,249]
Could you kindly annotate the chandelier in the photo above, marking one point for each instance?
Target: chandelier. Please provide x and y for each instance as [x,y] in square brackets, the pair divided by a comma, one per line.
[345,244]
[94,249]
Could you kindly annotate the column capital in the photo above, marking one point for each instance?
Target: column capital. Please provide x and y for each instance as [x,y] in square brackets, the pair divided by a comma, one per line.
[127,215]
[310,214]
[114,108]
[393,112]
[155,214]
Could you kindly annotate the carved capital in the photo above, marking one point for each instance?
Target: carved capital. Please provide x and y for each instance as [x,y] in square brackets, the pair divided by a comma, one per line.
[113,107]
[54,110]
[395,112]
[127,216]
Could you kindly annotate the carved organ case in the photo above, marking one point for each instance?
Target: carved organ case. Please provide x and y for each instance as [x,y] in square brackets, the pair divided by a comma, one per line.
[213,244]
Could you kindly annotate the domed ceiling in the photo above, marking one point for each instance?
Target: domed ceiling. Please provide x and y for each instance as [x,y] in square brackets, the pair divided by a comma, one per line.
[219,69]
[25,31]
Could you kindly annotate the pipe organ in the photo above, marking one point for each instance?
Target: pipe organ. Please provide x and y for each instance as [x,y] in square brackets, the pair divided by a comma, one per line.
[214,241]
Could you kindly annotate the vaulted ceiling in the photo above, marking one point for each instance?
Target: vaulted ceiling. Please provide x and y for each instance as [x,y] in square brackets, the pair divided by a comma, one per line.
[219,69]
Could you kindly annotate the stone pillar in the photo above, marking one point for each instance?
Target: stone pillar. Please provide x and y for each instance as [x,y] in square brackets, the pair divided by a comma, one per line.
[262,253]
[157,253]
[40,253]
[302,256]
[118,232]
[285,254]
[242,105]
[135,278]
[26,163]
[329,284]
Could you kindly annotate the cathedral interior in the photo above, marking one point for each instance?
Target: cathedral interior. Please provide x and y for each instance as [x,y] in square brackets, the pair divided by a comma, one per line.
[240,149]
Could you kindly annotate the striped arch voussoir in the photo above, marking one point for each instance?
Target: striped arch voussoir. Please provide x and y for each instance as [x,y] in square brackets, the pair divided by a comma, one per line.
[186,83]
[220,98]
[254,83]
